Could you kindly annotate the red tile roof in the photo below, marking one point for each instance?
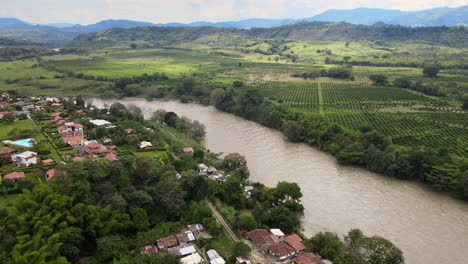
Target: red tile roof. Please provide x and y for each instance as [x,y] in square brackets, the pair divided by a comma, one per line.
[295,241]
[186,150]
[96,148]
[14,175]
[308,258]
[260,237]
[149,249]
[53,172]
[6,150]
[48,161]
[167,242]
[78,159]
[111,157]
[281,249]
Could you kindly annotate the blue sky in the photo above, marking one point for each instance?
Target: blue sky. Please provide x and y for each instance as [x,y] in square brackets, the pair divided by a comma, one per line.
[162,11]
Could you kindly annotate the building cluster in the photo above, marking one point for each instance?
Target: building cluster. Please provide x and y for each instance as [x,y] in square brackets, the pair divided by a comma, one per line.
[281,247]
[182,245]
[212,173]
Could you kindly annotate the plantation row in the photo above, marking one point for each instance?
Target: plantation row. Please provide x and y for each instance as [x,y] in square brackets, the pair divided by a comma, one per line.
[407,117]
[302,96]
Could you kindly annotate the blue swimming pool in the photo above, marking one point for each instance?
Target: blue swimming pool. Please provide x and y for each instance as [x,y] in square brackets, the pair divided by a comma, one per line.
[27,143]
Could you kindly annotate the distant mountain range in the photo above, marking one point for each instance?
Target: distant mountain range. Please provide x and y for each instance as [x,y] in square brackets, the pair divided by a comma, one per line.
[444,16]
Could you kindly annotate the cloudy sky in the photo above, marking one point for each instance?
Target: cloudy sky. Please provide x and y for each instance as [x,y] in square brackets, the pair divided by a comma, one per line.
[91,11]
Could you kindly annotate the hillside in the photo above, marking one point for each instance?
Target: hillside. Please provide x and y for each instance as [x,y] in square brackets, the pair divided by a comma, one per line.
[450,36]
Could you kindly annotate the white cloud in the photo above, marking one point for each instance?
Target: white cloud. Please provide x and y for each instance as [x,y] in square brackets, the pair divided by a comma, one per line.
[91,11]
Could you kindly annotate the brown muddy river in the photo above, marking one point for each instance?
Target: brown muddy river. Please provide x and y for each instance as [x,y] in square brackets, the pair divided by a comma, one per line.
[429,227]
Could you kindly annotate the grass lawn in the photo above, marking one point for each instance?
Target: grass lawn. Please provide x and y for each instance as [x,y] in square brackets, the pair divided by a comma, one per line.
[18,125]
[223,245]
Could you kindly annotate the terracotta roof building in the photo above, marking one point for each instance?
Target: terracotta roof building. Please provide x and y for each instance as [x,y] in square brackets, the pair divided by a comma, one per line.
[295,241]
[149,249]
[308,258]
[95,148]
[260,238]
[111,157]
[281,251]
[75,159]
[167,242]
[14,175]
[6,152]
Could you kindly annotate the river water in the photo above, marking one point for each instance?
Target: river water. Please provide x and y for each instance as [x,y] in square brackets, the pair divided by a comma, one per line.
[429,227]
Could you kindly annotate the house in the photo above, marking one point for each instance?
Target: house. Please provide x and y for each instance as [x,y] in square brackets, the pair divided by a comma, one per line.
[3,113]
[295,242]
[5,96]
[53,172]
[106,140]
[260,238]
[80,112]
[94,148]
[281,251]
[4,105]
[56,118]
[100,122]
[196,228]
[277,234]
[77,159]
[57,106]
[71,127]
[14,176]
[188,150]
[182,250]
[112,147]
[202,168]
[149,249]
[214,257]
[185,237]
[25,159]
[38,109]
[192,259]
[41,102]
[212,170]
[73,140]
[167,242]
[308,258]
[146,145]
[6,152]
[243,260]
[111,157]
[128,131]
[248,191]
[24,105]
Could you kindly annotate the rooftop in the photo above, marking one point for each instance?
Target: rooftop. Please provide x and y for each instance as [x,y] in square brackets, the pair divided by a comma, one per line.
[260,237]
[295,241]
[14,175]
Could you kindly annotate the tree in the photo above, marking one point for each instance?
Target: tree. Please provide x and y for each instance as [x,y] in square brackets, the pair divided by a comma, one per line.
[402,82]
[284,219]
[9,118]
[431,70]
[327,244]
[217,96]
[465,102]
[140,219]
[110,247]
[158,116]
[133,46]
[240,249]
[378,250]
[170,118]
[291,131]
[288,191]
[238,84]
[248,222]
[379,79]
[132,89]
[234,161]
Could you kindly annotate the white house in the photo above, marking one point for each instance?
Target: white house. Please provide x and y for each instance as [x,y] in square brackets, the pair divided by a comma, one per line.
[100,122]
[145,145]
[25,159]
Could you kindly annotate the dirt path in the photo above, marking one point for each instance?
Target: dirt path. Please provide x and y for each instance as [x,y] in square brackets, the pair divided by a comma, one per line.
[255,255]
